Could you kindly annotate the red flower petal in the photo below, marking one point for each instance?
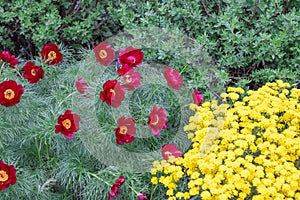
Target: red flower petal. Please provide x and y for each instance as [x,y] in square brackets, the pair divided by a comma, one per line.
[81,86]
[113,93]
[33,73]
[131,56]
[68,123]
[114,191]
[10,93]
[51,54]
[5,56]
[157,120]
[104,53]
[125,130]
[131,80]
[142,196]
[197,96]
[7,175]
[173,78]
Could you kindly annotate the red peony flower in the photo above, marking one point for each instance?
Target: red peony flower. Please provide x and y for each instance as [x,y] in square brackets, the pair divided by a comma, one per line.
[81,86]
[197,96]
[51,54]
[8,175]
[131,80]
[170,150]
[5,56]
[104,53]
[115,189]
[33,73]
[157,120]
[130,56]
[125,131]
[173,78]
[113,93]
[142,196]
[10,93]
[68,123]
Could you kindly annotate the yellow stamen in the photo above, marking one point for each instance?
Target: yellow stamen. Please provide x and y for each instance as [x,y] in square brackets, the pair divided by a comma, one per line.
[51,55]
[128,79]
[3,176]
[112,91]
[33,72]
[67,123]
[103,54]
[9,94]
[123,129]
[157,119]
[168,153]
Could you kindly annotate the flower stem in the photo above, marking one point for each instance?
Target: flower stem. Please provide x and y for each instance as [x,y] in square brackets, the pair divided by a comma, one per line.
[97,177]
[38,149]
[152,191]
[71,94]
[47,150]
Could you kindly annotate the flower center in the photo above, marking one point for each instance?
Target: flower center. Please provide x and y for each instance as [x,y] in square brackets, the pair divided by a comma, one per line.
[66,123]
[131,59]
[51,55]
[154,123]
[103,54]
[123,129]
[168,153]
[112,91]
[9,94]
[3,176]
[33,72]
[128,79]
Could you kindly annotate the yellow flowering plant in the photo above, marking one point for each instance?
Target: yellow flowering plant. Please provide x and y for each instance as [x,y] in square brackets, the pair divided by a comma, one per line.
[246,147]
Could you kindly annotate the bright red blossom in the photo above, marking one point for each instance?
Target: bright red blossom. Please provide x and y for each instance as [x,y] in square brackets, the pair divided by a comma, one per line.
[131,80]
[5,56]
[157,120]
[130,56]
[113,93]
[198,97]
[170,150]
[8,175]
[68,123]
[81,86]
[125,130]
[115,189]
[124,69]
[173,78]
[104,53]
[10,93]
[51,54]
[33,73]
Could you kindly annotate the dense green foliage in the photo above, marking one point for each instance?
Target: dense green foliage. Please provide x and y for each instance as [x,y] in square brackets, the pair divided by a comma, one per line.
[254,41]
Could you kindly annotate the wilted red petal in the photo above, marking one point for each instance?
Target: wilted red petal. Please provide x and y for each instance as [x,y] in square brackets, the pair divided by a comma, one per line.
[170,150]
[114,191]
[5,56]
[142,196]
[104,53]
[174,80]
[81,86]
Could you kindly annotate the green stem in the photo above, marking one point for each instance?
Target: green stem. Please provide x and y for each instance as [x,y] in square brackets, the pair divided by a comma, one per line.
[38,151]
[97,177]
[133,189]
[47,150]
[2,67]
[66,99]
[152,191]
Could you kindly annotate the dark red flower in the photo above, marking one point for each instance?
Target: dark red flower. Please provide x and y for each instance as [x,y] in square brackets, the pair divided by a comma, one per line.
[8,175]
[142,196]
[33,73]
[5,56]
[115,189]
[10,93]
[170,150]
[157,120]
[113,93]
[173,78]
[104,53]
[51,54]
[131,57]
[131,80]
[81,86]
[197,96]
[125,131]
[68,123]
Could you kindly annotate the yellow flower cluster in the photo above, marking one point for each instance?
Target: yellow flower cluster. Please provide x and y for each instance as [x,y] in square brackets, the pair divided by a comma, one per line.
[248,147]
